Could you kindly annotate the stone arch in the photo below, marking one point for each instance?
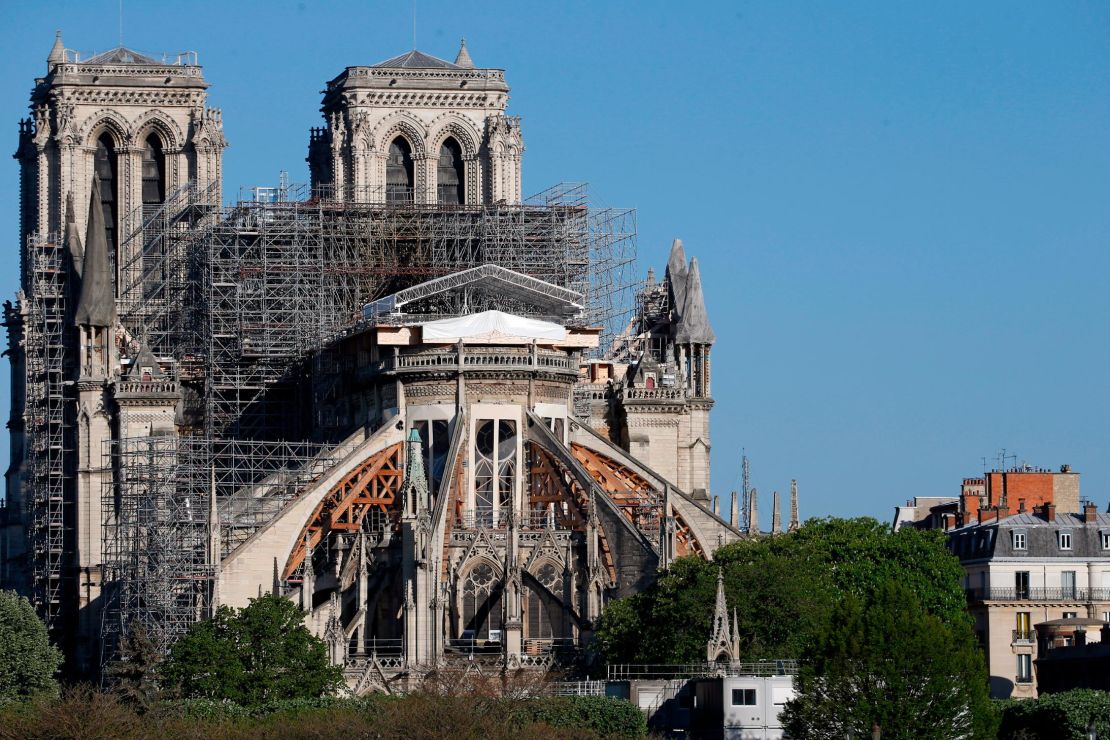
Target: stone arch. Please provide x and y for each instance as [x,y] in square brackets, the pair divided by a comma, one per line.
[488,598]
[110,121]
[635,496]
[155,121]
[403,124]
[453,125]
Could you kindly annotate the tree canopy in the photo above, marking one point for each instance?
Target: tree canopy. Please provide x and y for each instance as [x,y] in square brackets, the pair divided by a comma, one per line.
[887,661]
[28,661]
[783,589]
[260,653]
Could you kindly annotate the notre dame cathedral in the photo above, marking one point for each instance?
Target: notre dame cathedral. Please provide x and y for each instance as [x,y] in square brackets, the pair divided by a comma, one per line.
[427,410]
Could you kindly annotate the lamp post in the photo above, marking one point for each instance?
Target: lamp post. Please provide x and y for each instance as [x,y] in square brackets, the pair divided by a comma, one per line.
[1092,731]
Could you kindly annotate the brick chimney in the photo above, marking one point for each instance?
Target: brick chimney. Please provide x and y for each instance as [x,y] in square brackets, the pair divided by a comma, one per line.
[1050,512]
[1090,512]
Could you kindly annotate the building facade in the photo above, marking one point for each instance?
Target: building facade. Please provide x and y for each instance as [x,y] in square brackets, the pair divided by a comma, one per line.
[380,396]
[1026,568]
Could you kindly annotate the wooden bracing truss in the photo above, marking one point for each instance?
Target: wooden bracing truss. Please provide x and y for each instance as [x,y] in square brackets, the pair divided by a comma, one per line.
[375,485]
[636,498]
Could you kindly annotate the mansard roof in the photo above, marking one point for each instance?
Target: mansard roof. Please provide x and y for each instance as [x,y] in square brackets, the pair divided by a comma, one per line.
[417,60]
[121,55]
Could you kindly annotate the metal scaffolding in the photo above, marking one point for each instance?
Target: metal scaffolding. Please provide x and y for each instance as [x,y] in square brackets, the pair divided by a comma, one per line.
[176,506]
[242,300]
[48,427]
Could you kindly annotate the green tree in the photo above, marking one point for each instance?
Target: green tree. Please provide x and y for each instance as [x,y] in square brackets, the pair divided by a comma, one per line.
[888,661]
[1063,716]
[783,589]
[28,661]
[135,674]
[251,656]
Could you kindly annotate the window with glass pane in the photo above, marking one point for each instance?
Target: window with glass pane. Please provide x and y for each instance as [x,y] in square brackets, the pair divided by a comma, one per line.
[495,465]
[1021,584]
[481,602]
[743,697]
[1106,540]
[1019,540]
[1067,584]
[1065,540]
[544,611]
[1024,668]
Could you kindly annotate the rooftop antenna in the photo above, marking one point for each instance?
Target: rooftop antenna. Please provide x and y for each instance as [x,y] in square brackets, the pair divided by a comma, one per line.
[745,482]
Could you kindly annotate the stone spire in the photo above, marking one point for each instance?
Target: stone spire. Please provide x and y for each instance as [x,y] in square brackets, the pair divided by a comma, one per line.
[676,276]
[414,490]
[794,523]
[720,642]
[753,515]
[734,511]
[463,59]
[73,238]
[776,514]
[693,325]
[96,305]
[57,52]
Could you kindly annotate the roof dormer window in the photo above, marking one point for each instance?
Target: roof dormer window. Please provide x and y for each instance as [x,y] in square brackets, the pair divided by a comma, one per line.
[1019,540]
[1063,539]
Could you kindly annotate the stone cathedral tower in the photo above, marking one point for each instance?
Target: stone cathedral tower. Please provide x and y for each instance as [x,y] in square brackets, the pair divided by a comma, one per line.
[418,129]
[111,138]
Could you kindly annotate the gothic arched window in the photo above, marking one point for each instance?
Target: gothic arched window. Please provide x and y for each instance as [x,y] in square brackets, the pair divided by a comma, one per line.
[481,603]
[398,172]
[105,165]
[450,173]
[543,612]
[154,171]
[494,469]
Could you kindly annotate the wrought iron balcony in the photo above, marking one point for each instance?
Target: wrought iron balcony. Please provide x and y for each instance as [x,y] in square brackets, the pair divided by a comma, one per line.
[1057,593]
[1024,637]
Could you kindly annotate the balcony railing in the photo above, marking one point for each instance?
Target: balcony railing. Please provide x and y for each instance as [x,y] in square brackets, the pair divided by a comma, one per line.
[473,360]
[1064,593]
[1024,637]
[376,646]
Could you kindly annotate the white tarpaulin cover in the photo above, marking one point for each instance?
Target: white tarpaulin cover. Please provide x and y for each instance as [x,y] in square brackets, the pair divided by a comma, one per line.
[492,323]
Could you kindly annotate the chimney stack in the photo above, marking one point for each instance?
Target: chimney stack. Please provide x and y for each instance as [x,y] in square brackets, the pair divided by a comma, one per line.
[1090,512]
[1050,512]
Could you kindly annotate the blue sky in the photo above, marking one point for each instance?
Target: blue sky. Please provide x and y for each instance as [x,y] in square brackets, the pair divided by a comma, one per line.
[900,210]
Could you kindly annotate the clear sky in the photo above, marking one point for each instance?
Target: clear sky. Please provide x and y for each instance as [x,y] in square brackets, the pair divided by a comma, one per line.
[900,209]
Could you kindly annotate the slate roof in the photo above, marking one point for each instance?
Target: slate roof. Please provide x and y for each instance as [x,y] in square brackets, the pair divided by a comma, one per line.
[693,323]
[676,275]
[994,538]
[121,55]
[417,60]
[96,305]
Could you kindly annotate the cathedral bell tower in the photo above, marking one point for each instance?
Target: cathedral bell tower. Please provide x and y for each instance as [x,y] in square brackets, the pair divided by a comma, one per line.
[113,139]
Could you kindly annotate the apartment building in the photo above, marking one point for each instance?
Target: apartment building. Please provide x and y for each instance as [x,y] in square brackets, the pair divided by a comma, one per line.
[1026,568]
